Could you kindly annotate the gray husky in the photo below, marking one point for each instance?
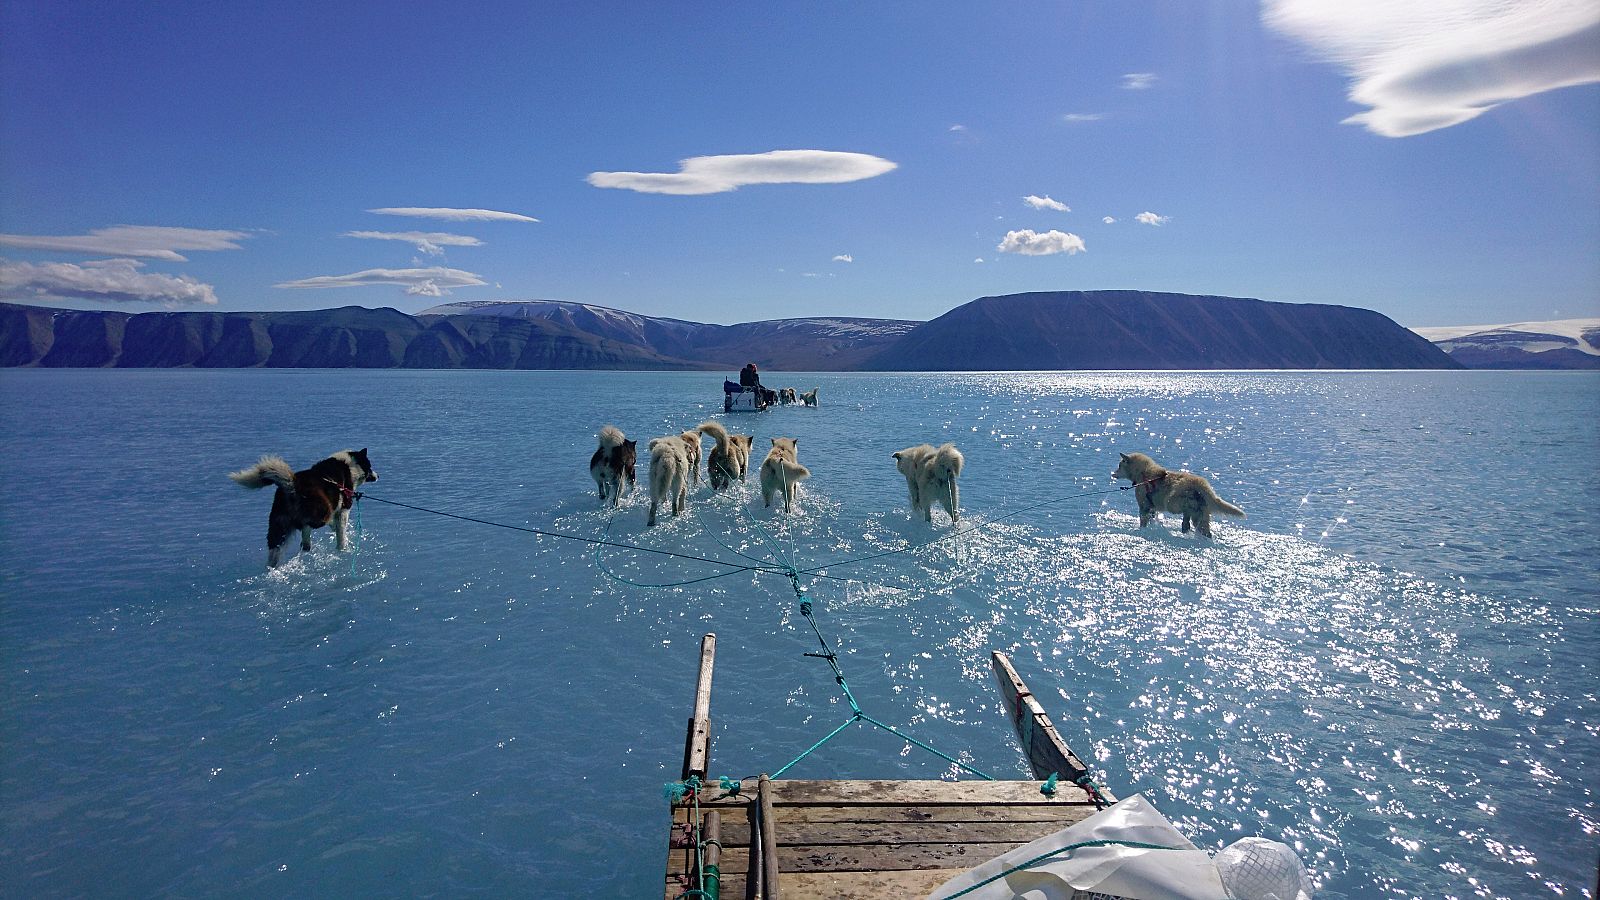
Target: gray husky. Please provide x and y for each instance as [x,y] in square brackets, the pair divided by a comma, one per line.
[1159,490]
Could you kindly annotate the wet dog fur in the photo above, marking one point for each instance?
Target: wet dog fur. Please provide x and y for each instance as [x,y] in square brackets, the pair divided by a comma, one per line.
[1159,490]
[931,474]
[669,474]
[612,465]
[729,459]
[781,472]
[308,499]
[787,396]
[809,398]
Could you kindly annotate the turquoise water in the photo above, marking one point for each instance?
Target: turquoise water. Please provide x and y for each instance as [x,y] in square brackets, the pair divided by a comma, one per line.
[1389,665]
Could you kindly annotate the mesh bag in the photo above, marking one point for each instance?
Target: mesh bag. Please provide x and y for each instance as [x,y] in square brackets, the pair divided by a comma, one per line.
[1258,869]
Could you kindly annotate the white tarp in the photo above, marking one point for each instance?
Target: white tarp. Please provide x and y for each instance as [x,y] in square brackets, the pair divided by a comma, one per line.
[1186,873]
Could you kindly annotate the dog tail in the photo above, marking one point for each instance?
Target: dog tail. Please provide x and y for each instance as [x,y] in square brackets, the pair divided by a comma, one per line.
[949,460]
[717,432]
[270,470]
[791,471]
[1221,505]
[611,436]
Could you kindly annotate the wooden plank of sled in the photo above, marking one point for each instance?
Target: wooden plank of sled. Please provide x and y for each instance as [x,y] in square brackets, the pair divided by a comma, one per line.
[769,841]
[1062,813]
[697,743]
[1041,742]
[916,793]
[874,857]
[867,832]
[842,885]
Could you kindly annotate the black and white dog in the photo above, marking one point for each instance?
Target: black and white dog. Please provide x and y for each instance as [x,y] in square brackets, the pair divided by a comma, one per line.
[613,463]
[308,499]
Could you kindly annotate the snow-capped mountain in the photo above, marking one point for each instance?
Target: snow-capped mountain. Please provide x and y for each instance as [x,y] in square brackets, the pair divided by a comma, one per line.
[1560,344]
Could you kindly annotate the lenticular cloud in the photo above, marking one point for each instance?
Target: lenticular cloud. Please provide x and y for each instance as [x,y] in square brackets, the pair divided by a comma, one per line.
[103,280]
[716,174]
[1420,67]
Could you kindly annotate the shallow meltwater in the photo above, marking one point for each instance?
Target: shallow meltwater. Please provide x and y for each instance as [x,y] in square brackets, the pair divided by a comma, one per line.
[1387,665]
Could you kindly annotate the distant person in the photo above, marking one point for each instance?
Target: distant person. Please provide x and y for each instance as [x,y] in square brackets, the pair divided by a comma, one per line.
[749,376]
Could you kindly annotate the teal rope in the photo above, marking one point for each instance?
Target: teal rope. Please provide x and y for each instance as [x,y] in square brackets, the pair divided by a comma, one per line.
[355,548]
[1137,845]
[857,715]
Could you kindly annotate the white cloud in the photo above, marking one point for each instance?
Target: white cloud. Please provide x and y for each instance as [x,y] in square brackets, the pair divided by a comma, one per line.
[104,280]
[978,260]
[716,174]
[1138,81]
[1425,66]
[1083,117]
[434,281]
[958,128]
[1046,203]
[1029,243]
[147,241]
[430,242]
[1109,220]
[451,214]
[1150,218]
[844,257]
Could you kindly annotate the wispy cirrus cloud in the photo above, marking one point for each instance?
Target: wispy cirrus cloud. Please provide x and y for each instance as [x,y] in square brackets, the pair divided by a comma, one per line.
[1138,81]
[1083,117]
[431,243]
[144,241]
[1420,67]
[844,257]
[1030,243]
[102,280]
[433,281]
[1150,218]
[717,174]
[451,214]
[1046,202]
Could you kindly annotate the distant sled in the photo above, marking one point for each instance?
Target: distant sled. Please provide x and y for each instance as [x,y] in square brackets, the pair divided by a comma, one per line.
[741,399]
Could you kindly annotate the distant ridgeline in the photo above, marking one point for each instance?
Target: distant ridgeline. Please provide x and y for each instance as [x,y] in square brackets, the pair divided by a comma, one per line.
[1060,330]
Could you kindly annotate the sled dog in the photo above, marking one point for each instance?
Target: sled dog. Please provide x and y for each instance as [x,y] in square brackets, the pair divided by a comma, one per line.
[691,453]
[1159,490]
[612,464]
[309,499]
[780,472]
[809,398]
[931,474]
[729,459]
[669,474]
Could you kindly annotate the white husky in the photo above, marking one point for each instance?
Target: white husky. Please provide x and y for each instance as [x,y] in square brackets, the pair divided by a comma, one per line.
[669,474]
[781,471]
[931,475]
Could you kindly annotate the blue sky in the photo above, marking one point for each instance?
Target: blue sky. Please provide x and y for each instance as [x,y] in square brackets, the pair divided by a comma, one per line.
[256,140]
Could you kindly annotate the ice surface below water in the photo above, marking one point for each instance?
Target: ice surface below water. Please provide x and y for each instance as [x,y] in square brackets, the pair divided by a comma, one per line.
[1388,665]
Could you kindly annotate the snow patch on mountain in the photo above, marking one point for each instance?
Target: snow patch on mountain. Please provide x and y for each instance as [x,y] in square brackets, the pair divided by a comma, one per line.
[1582,335]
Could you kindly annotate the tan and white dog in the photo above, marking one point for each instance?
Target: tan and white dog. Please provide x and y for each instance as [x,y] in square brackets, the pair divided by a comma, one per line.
[781,472]
[931,474]
[1159,490]
[729,459]
[669,474]
[691,452]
